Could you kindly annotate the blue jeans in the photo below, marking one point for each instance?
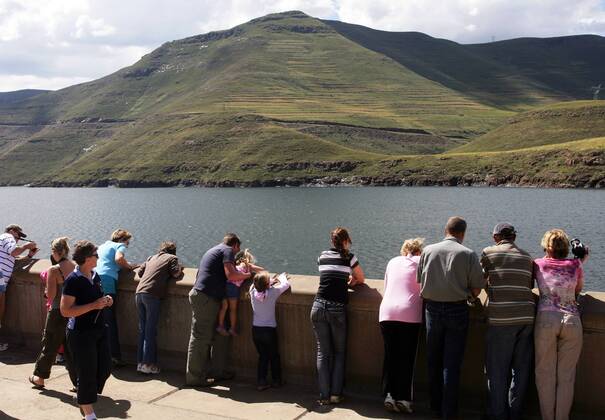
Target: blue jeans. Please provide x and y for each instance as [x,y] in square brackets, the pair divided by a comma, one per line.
[446,329]
[508,361]
[330,328]
[148,307]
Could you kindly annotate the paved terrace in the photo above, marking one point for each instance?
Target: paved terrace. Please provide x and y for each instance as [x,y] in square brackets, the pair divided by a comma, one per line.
[129,394]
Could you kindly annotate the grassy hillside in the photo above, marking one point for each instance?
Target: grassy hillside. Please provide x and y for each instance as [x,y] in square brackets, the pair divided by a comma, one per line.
[287,66]
[289,99]
[513,74]
[19,95]
[253,159]
[559,123]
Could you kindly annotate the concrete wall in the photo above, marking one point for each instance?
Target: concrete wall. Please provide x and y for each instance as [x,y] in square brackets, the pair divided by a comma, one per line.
[25,316]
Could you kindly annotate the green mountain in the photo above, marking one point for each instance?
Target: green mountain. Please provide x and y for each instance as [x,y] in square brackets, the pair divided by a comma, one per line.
[513,74]
[19,95]
[287,99]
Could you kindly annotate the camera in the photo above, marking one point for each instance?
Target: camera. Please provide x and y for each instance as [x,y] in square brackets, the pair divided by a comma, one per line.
[578,249]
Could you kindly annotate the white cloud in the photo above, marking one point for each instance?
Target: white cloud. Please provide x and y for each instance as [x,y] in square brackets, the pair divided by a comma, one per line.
[502,19]
[61,41]
[87,26]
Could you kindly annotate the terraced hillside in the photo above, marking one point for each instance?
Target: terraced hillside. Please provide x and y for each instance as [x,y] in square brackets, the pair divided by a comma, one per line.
[553,124]
[514,74]
[285,99]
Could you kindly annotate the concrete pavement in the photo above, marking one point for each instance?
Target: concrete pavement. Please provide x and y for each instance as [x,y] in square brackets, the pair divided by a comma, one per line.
[132,395]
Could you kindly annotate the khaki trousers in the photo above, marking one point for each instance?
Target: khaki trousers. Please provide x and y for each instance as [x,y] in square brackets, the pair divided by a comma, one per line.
[53,337]
[558,344]
[208,352]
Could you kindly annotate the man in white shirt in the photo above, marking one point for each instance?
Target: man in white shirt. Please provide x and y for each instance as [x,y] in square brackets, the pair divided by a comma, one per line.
[8,251]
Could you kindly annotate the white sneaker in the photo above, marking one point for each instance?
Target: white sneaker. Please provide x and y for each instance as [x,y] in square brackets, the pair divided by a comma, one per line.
[150,369]
[3,346]
[139,366]
[390,405]
[404,406]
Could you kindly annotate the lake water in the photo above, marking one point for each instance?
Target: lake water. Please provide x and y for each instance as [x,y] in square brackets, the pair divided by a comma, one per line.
[286,228]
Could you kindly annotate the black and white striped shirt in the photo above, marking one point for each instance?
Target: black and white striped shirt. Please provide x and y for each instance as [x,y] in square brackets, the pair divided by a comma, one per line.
[334,272]
[7,261]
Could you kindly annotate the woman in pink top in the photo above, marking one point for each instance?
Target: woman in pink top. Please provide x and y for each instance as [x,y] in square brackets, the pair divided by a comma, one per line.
[400,319]
[558,330]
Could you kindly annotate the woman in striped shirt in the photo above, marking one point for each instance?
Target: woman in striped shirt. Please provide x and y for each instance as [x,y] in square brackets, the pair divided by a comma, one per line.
[338,270]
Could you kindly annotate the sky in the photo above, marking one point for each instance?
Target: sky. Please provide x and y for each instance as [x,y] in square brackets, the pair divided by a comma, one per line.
[51,44]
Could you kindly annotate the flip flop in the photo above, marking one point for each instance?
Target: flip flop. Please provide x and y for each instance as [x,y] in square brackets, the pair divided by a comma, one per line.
[35,385]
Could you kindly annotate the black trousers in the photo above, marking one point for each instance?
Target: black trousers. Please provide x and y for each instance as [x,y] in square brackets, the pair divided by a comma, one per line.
[400,348]
[265,340]
[92,359]
[53,337]
[109,313]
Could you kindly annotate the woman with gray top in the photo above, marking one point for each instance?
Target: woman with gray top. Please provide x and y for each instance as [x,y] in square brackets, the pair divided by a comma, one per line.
[54,328]
[155,273]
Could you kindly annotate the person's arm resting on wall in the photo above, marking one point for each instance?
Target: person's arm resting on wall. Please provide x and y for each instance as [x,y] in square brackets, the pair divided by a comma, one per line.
[120,259]
[476,279]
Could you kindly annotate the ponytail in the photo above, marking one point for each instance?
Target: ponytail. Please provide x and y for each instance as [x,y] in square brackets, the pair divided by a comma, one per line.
[339,238]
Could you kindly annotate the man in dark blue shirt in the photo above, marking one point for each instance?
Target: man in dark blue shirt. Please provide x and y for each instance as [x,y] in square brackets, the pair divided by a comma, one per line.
[216,267]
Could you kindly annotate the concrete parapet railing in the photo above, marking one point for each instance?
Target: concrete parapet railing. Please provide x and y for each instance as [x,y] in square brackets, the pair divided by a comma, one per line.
[26,313]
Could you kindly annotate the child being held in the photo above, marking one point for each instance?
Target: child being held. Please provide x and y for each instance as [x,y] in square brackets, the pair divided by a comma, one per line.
[244,263]
[264,292]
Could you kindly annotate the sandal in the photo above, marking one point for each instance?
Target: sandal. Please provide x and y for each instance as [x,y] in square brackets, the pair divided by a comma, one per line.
[35,385]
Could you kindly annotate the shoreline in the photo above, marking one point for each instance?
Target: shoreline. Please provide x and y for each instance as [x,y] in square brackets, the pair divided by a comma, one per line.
[323,182]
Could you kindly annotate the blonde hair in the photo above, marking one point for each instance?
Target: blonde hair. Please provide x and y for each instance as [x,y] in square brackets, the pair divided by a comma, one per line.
[120,235]
[411,246]
[60,246]
[556,243]
[244,257]
[261,281]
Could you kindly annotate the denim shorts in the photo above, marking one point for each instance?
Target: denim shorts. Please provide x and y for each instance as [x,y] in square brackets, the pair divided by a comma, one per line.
[3,283]
[232,290]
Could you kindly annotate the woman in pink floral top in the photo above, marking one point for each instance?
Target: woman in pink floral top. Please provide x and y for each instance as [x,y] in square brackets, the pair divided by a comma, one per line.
[558,330]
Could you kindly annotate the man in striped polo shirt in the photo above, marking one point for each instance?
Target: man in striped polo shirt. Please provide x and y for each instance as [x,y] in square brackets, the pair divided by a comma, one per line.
[510,311]
[8,251]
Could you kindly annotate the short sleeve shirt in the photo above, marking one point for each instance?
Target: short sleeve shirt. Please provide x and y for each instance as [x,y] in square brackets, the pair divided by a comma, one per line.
[334,272]
[557,281]
[211,277]
[401,301]
[7,261]
[107,266]
[85,291]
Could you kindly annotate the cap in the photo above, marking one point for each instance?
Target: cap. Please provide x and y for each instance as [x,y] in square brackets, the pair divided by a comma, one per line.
[17,228]
[504,229]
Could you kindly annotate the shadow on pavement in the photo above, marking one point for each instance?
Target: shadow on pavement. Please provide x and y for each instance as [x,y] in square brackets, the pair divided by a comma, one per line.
[17,355]
[5,416]
[104,407]
[292,394]
[128,373]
